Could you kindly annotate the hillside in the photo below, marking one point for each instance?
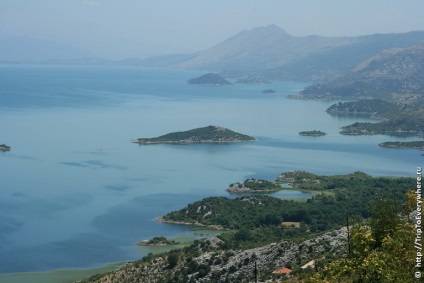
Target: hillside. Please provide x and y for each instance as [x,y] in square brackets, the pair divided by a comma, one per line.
[275,54]
[394,74]
[200,135]
[259,240]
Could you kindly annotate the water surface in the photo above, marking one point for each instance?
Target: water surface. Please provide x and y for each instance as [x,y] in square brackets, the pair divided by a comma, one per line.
[74,192]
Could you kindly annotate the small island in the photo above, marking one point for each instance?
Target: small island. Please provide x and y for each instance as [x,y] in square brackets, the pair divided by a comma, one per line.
[398,144]
[5,148]
[268,91]
[158,241]
[209,79]
[209,134]
[313,133]
[253,186]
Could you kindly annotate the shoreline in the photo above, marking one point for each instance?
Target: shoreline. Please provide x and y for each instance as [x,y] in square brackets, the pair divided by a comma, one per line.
[212,227]
[70,275]
[187,142]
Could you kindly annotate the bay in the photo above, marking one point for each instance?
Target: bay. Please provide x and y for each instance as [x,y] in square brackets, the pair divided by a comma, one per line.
[75,193]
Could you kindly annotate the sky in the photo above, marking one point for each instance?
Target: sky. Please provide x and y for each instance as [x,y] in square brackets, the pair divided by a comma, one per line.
[116,29]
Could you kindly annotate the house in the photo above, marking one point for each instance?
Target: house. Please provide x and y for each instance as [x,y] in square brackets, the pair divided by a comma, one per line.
[284,271]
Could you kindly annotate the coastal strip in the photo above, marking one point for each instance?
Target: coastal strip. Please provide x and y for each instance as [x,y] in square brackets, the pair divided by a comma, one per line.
[197,224]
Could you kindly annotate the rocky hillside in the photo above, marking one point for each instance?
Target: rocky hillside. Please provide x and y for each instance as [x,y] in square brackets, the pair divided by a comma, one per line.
[394,74]
[206,261]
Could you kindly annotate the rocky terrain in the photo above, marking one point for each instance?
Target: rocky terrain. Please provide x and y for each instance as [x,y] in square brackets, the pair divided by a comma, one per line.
[387,75]
[213,264]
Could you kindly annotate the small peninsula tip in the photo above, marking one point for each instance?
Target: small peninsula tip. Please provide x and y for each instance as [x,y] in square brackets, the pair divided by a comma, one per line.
[209,134]
[5,148]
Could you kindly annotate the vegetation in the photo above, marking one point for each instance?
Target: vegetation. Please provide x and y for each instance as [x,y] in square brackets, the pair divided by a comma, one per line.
[314,133]
[397,118]
[381,242]
[398,144]
[4,147]
[158,241]
[205,134]
[375,108]
[382,251]
[352,193]
[254,186]
[406,125]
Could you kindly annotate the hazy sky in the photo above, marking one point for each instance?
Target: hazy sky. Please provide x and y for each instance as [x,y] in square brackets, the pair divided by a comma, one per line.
[139,28]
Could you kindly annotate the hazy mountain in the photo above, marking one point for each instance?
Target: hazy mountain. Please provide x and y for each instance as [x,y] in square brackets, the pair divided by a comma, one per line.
[257,49]
[278,55]
[331,63]
[386,75]
[15,48]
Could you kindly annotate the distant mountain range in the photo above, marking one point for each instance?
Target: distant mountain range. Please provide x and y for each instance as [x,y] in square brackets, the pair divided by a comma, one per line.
[272,52]
[349,63]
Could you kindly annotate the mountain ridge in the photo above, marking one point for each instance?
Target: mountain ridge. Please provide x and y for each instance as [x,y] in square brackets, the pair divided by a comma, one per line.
[390,74]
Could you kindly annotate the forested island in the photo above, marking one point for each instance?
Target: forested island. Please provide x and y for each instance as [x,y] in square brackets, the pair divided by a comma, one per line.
[314,133]
[209,79]
[255,234]
[4,147]
[209,134]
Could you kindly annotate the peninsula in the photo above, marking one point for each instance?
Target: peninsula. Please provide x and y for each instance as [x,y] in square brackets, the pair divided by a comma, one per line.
[398,144]
[209,79]
[209,134]
[158,241]
[254,186]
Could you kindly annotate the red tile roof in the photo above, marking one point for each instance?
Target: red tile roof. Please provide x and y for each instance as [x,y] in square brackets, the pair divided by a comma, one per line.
[284,270]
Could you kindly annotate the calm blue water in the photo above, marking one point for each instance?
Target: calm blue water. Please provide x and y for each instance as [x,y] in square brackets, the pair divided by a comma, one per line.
[74,192]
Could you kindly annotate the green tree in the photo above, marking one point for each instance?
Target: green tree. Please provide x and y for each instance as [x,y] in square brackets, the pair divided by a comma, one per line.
[389,260]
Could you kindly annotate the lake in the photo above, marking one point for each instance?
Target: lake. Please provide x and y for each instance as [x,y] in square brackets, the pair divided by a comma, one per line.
[75,193]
